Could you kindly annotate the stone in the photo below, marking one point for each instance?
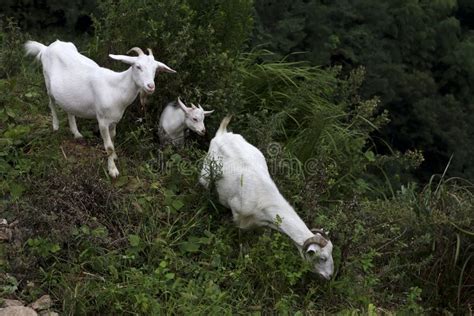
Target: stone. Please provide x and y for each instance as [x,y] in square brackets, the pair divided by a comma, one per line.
[48,313]
[7,303]
[17,311]
[44,302]
[5,231]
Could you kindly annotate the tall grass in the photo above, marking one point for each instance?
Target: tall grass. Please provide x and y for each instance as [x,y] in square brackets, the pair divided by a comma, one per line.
[317,114]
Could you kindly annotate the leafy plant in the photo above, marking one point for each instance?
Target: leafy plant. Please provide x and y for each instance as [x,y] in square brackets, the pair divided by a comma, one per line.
[42,247]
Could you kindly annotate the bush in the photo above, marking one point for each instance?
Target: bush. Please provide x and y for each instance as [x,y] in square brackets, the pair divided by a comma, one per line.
[191,37]
[415,240]
[11,46]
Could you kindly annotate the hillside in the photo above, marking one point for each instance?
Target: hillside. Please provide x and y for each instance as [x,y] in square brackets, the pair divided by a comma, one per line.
[153,241]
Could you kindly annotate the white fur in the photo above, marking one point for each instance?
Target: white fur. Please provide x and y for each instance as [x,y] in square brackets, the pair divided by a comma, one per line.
[82,88]
[244,185]
[177,117]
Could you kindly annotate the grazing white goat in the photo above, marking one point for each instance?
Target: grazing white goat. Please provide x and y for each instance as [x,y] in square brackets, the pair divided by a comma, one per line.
[82,88]
[176,117]
[244,185]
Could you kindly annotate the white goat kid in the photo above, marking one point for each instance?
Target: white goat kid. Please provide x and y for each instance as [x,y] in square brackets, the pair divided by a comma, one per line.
[82,88]
[244,185]
[176,117]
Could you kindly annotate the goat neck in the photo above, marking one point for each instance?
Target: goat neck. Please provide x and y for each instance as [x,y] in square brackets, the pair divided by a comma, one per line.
[282,216]
[173,122]
[123,87]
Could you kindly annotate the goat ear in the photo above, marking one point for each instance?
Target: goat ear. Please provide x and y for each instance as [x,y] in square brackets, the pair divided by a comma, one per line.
[312,250]
[164,68]
[126,59]
[321,231]
[183,106]
[207,113]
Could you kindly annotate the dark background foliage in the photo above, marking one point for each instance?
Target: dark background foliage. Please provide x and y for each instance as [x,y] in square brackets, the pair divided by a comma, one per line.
[72,16]
[419,60]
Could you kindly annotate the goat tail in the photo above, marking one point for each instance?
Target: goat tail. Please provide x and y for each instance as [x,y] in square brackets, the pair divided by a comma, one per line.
[34,49]
[223,127]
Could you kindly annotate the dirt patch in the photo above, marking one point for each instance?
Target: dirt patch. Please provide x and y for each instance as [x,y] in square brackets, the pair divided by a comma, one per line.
[81,149]
[60,202]
[56,206]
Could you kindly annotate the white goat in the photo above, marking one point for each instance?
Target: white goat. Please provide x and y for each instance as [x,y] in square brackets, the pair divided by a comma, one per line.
[176,117]
[244,185]
[82,88]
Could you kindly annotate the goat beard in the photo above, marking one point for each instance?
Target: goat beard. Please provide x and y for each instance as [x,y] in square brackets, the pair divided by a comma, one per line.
[143,98]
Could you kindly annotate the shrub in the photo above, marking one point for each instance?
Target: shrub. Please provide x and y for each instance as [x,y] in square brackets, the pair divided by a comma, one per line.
[192,37]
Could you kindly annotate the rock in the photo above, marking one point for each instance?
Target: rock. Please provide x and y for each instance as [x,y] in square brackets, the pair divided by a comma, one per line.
[48,313]
[5,234]
[5,231]
[44,302]
[8,303]
[13,224]
[17,311]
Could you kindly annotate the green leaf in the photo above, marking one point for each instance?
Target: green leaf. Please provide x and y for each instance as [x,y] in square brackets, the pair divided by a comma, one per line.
[85,230]
[190,247]
[30,95]
[16,190]
[371,310]
[134,240]
[177,204]
[370,156]
[54,248]
[10,113]
[114,272]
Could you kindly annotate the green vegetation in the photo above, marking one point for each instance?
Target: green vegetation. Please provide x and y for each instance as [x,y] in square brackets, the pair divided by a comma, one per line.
[155,242]
[418,55]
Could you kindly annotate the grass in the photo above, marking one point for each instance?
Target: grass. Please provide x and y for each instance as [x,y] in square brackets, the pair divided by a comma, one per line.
[155,242]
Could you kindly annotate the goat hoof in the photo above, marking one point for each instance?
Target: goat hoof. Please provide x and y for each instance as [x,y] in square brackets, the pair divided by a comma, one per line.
[114,173]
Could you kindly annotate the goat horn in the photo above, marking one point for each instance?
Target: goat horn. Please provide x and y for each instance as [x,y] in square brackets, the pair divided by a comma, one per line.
[150,53]
[138,50]
[320,231]
[316,239]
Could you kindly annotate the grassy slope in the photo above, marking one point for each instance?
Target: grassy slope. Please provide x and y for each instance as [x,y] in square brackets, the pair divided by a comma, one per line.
[151,240]
[154,241]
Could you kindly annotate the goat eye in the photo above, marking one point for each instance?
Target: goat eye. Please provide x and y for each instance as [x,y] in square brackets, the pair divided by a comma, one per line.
[139,67]
[195,119]
[324,259]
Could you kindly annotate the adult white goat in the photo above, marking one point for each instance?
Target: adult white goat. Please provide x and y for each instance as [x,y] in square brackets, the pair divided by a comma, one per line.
[176,117]
[245,186]
[82,88]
